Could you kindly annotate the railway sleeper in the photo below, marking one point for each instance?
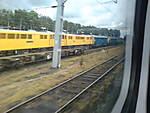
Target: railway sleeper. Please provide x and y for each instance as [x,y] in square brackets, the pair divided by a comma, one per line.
[60,98]
[92,76]
[62,95]
[79,83]
[87,78]
[76,85]
[73,91]
[95,74]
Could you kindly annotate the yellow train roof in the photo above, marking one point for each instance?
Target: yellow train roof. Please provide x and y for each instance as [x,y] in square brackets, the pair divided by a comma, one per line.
[38,32]
[27,32]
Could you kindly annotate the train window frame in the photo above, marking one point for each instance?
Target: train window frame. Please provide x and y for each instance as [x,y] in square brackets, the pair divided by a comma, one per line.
[23,36]
[4,34]
[128,54]
[29,36]
[41,37]
[11,36]
[144,86]
[17,36]
[78,37]
[45,37]
[63,37]
[127,101]
[70,37]
[51,36]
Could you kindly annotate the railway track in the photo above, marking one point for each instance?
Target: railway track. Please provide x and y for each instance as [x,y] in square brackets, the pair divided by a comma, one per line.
[58,97]
[85,95]
[14,61]
[48,52]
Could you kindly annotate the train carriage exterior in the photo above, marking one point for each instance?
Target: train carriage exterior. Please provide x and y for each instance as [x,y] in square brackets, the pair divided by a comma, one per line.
[115,40]
[18,42]
[100,41]
[21,40]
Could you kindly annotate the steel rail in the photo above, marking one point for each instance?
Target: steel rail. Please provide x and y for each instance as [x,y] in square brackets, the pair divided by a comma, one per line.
[84,90]
[57,86]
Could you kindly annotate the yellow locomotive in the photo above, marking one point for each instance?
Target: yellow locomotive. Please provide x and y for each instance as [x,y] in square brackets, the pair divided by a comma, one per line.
[13,40]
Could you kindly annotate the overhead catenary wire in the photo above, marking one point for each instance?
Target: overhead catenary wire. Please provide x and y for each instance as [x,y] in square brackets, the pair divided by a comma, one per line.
[103,3]
[106,2]
[45,7]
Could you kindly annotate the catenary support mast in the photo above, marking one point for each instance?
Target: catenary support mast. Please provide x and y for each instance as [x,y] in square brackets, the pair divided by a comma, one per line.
[58,35]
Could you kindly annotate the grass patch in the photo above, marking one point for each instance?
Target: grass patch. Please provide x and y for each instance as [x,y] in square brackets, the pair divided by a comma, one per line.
[13,92]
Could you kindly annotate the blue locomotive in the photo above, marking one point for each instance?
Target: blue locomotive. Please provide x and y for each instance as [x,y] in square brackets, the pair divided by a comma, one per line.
[101,41]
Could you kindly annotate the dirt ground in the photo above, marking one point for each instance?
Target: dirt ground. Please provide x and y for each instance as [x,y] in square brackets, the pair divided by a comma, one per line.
[18,85]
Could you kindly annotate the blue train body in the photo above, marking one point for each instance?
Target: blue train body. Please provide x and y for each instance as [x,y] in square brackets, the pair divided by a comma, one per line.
[115,41]
[100,41]
[112,41]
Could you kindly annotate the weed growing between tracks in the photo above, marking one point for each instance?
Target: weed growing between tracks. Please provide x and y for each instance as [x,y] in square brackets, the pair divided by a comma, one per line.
[20,85]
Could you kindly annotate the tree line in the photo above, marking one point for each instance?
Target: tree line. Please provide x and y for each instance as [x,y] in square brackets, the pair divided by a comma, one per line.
[25,20]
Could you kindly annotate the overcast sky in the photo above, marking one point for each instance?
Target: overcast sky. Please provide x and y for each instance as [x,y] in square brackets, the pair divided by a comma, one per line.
[85,12]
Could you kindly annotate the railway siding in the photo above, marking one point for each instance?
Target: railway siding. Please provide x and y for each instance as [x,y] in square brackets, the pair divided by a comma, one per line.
[95,93]
[15,61]
[17,90]
[51,100]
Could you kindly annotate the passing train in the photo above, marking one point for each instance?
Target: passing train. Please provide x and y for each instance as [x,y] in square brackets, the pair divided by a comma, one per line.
[17,42]
[101,41]
[23,47]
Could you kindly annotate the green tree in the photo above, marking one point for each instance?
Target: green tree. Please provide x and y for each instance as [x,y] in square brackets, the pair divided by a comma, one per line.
[26,20]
